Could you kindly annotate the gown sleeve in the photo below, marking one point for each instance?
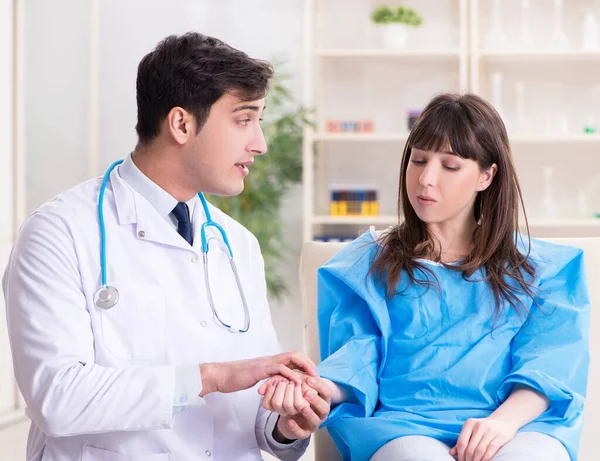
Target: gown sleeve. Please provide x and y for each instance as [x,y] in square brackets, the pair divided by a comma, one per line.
[550,353]
[351,314]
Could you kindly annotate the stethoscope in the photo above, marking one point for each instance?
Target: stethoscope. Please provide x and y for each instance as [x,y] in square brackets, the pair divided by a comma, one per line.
[107,295]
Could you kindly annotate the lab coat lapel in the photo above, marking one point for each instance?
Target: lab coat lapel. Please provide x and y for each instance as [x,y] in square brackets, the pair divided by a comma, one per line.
[132,208]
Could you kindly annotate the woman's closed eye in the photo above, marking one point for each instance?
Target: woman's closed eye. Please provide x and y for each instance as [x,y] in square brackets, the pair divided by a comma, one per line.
[451,167]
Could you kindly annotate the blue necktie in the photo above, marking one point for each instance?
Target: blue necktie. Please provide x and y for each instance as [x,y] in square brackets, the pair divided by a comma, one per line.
[184,226]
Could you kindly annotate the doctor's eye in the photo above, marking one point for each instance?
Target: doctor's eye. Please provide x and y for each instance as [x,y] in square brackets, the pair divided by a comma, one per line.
[418,162]
[244,122]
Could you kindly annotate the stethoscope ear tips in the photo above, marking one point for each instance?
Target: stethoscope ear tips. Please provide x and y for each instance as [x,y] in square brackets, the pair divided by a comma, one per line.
[106,297]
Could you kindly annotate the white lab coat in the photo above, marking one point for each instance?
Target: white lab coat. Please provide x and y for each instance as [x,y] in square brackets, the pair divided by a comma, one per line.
[99,384]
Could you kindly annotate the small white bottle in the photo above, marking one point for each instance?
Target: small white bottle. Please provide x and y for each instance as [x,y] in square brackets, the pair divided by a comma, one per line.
[590,32]
[521,123]
[525,38]
[496,38]
[496,95]
[583,210]
[550,208]
[559,39]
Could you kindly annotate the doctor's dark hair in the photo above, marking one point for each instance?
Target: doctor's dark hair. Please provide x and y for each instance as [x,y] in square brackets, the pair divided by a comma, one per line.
[193,71]
[472,129]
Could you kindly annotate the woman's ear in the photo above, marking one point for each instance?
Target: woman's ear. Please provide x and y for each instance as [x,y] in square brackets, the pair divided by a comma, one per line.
[486,177]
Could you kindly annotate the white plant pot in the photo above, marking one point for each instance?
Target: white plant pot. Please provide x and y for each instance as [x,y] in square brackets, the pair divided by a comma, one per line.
[394,35]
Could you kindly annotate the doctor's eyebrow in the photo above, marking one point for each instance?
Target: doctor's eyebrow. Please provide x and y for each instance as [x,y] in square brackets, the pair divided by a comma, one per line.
[251,107]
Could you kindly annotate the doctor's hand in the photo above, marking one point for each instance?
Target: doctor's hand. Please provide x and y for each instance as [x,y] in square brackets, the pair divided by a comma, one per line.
[480,439]
[302,408]
[235,376]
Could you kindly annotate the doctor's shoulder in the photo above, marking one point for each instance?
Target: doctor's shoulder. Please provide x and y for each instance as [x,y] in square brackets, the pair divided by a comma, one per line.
[65,210]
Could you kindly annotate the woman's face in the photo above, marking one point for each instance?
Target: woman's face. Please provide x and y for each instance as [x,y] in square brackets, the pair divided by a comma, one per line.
[442,186]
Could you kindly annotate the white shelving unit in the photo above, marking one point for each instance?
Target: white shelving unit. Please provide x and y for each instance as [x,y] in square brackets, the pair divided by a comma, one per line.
[325,153]
[419,54]
[539,55]
[320,61]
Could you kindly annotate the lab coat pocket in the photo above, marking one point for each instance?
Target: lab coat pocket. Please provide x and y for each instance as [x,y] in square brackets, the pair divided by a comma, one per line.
[134,329]
[99,454]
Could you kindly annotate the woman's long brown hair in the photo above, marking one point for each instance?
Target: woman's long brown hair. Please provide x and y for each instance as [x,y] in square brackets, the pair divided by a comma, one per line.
[473,130]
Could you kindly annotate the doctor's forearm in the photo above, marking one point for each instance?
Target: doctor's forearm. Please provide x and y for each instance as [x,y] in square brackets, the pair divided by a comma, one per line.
[522,406]
[225,377]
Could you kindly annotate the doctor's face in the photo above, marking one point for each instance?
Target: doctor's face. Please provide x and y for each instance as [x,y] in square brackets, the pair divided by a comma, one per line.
[221,155]
[441,186]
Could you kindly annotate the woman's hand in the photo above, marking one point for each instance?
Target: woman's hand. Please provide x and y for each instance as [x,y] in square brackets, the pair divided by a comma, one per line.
[283,396]
[480,439]
[302,407]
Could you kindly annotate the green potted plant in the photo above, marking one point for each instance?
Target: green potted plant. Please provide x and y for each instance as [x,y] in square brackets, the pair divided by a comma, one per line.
[271,176]
[395,24]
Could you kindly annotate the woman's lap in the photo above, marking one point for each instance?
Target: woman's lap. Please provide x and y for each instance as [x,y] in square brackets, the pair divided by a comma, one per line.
[526,446]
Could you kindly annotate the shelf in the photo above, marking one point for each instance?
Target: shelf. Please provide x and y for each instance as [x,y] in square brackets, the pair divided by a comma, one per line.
[516,139]
[412,53]
[389,220]
[358,220]
[539,55]
[564,223]
[567,138]
[362,137]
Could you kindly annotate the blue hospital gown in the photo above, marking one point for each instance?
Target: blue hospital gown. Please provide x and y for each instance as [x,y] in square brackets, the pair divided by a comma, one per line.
[427,360]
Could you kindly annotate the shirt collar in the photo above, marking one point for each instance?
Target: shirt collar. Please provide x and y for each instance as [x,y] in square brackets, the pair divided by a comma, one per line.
[159,198]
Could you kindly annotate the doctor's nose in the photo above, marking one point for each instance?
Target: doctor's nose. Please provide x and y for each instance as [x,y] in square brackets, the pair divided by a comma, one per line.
[258,144]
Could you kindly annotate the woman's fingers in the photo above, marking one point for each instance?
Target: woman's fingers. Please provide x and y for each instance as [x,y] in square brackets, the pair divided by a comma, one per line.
[268,397]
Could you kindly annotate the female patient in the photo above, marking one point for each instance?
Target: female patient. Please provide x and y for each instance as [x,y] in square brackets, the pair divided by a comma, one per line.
[451,335]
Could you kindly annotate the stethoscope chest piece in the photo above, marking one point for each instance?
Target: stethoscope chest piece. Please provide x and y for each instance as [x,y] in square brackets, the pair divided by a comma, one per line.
[106,297]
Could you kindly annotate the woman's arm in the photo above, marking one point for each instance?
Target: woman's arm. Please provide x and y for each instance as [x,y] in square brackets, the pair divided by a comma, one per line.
[545,389]
[522,406]
[480,439]
[338,393]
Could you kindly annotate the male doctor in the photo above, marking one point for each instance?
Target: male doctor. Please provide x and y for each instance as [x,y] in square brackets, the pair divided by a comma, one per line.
[163,365]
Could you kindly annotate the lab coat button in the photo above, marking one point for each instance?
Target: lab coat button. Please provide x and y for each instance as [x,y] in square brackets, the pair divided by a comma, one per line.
[141,234]
[182,398]
[203,323]
[208,453]
[194,259]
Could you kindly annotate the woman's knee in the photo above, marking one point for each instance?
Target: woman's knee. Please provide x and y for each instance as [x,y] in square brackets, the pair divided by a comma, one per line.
[532,446]
[413,448]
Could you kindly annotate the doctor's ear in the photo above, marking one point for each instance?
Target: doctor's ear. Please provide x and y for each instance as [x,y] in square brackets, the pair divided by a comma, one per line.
[181,124]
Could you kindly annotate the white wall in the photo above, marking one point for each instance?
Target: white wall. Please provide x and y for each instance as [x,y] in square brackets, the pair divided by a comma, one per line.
[55,89]
[7,388]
